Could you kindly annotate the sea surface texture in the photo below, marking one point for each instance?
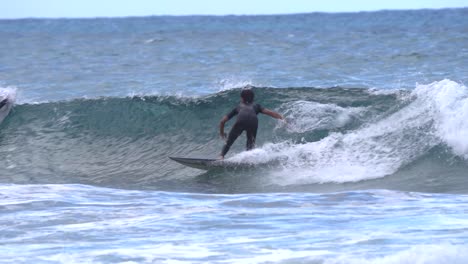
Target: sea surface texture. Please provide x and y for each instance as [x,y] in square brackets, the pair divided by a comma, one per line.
[370,167]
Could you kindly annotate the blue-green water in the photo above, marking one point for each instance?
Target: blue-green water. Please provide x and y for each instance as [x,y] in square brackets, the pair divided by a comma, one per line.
[370,167]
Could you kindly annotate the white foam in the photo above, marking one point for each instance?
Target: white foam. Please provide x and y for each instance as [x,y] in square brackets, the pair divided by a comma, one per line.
[233,83]
[153,40]
[306,116]
[436,115]
[397,92]
[9,92]
[421,254]
[449,101]
[19,97]
[281,255]
[148,253]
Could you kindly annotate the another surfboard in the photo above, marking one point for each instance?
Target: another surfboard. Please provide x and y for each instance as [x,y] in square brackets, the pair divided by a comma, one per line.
[210,164]
[5,106]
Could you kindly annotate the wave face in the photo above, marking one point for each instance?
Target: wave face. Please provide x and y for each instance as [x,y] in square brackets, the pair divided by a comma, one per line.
[335,139]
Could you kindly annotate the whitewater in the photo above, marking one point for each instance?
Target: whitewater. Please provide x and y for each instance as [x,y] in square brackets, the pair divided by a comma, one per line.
[369,167]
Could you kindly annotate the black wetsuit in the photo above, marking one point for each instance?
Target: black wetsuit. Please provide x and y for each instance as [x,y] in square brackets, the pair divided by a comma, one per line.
[246,120]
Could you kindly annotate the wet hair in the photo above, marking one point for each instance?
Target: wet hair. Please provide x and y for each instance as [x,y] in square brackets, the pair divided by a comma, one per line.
[247,95]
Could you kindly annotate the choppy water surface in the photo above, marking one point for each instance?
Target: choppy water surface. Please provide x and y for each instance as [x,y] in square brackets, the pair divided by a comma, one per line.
[77,224]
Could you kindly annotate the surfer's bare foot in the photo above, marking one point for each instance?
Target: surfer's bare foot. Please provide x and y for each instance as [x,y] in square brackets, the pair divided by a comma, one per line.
[221,157]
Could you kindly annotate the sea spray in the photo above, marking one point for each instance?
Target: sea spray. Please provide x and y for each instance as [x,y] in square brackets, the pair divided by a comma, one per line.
[449,104]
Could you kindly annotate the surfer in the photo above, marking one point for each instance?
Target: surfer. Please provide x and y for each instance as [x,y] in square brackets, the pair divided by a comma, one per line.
[246,121]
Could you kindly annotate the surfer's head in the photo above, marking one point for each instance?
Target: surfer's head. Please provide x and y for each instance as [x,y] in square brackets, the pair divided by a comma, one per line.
[247,96]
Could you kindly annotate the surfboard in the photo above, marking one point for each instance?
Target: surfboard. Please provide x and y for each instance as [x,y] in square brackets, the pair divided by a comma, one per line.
[210,164]
[5,106]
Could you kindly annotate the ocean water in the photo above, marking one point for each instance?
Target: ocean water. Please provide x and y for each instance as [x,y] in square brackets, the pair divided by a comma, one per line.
[371,166]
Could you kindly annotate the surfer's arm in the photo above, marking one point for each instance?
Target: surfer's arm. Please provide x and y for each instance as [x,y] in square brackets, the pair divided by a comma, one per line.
[221,126]
[224,120]
[272,113]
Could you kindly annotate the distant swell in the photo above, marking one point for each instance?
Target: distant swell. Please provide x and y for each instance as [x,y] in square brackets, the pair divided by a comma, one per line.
[336,138]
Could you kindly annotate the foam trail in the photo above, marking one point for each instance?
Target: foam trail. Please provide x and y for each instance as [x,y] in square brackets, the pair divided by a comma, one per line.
[436,115]
[307,116]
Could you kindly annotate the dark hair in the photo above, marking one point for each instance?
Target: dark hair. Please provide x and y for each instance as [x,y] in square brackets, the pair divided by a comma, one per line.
[247,95]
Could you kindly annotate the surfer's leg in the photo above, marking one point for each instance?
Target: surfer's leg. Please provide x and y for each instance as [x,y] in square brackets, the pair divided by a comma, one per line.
[233,135]
[251,135]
